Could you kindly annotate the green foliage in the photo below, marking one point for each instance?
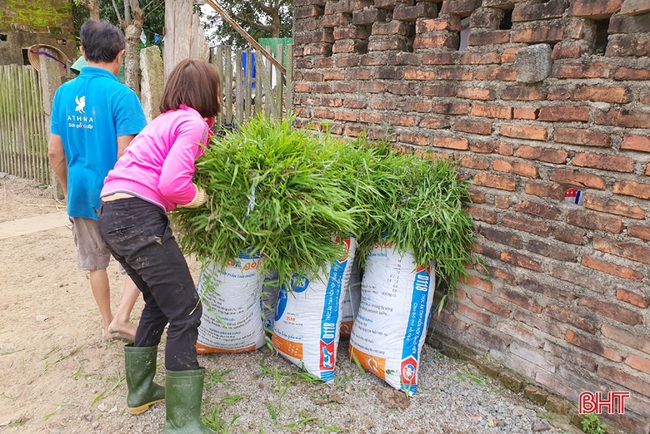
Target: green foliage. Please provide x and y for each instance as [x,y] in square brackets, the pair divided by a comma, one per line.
[271,193]
[591,424]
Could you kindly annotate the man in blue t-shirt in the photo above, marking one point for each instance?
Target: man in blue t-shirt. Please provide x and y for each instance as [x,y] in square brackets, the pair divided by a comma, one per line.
[94,118]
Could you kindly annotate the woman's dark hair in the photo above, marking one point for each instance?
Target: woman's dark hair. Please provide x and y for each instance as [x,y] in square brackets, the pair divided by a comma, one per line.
[194,82]
[102,41]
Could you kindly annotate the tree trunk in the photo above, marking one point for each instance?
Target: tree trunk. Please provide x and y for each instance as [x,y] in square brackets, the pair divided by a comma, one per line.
[93,7]
[132,30]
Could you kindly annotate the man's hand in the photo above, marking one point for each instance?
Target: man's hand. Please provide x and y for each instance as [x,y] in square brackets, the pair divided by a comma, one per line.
[58,161]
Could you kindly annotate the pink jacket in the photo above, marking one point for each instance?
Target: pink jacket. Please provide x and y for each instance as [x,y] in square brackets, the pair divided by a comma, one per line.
[158,165]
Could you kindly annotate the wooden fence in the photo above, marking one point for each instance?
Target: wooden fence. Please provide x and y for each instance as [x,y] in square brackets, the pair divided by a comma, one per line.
[269,92]
[23,125]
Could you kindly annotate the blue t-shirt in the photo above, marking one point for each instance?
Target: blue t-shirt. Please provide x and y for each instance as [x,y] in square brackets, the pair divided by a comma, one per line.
[89,113]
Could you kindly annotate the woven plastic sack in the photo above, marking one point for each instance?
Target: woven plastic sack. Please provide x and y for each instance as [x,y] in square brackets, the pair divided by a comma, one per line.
[390,328]
[351,300]
[232,319]
[307,323]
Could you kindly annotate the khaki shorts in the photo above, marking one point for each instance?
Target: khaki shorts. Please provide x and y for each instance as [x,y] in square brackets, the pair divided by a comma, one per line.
[92,253]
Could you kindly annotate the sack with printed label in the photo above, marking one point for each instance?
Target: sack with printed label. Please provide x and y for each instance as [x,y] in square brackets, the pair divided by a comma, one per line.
[232,317]
[307,322]
[269,298]
[390,328]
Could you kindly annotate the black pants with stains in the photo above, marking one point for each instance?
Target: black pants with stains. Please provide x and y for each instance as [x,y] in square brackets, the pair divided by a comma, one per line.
[138,235]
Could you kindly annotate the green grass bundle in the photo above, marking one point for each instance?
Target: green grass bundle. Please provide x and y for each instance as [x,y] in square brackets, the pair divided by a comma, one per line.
[273,190]
[420,206]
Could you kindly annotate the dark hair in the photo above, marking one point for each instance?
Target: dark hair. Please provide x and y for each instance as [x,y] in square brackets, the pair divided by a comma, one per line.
[194,82]
[102,41]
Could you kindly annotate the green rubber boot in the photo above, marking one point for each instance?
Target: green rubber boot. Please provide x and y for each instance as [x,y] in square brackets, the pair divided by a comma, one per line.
[184,391]
[140,370]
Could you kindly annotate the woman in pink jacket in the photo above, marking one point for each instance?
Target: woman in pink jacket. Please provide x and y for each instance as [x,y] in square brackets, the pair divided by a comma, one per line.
[152,177]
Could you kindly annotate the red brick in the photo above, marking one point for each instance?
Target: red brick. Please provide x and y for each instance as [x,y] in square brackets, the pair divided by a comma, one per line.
[491,111]
[551,191]
[438,90]
[515,167]
[495,181]
[401,120]
[577,179]
[450,108]
[571,317]
[490,306]
[482,147]
[551,31]
[460,7]
[346,116]
[539,323]
[371,117]
[564,114]
[473,127]
[595,9]
[594,221]
[616,95]
[522,223]
[419,106]
[390,28]
[449,320]
[483,215]
[473,314]
[612,269]
[434,123]
[523,93]
[459,143]
[638,300]
[478,283]
[323,113]
[593,345]
[462,74]
[419,74]
[571,49]
[624,249]
[509,55]
[618,376]
[623,119]
[613,206]
[437,24]
[625,337]
[547,155]
[440,58]
[573,357]
[642,232]
[475,93]
[636,143]
[626,73]
[534,12]
[581,70]
[605,162]
[641,364]
[550,291]
[610,310]
[444,40]
[570,235]
[354,103]
[496,73]
[524,132]
[521,260]
[631,188]
[538,210]
[528,113]
[502,237]
[488,37]
[578,278]
[415,139]
[580,136]
[521,300]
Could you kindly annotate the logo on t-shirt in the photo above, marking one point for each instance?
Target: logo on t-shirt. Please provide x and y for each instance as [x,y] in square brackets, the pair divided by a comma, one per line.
[81,104]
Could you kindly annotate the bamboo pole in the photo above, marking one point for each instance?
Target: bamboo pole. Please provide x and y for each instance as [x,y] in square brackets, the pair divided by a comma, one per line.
[245,34]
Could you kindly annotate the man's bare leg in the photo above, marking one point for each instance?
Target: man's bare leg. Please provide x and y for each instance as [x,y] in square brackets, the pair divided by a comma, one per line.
[102,293]
[121,323]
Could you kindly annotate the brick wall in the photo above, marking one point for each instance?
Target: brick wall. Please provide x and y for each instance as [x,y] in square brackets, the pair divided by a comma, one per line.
[27,22]
[537,97]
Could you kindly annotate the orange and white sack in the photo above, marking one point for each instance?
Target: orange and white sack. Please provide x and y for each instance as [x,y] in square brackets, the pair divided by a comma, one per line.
[391,326]
[351,299]
[232,317]
[307,322]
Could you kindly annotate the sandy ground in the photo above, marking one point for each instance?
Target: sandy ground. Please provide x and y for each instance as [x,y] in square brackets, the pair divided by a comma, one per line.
[57,376]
